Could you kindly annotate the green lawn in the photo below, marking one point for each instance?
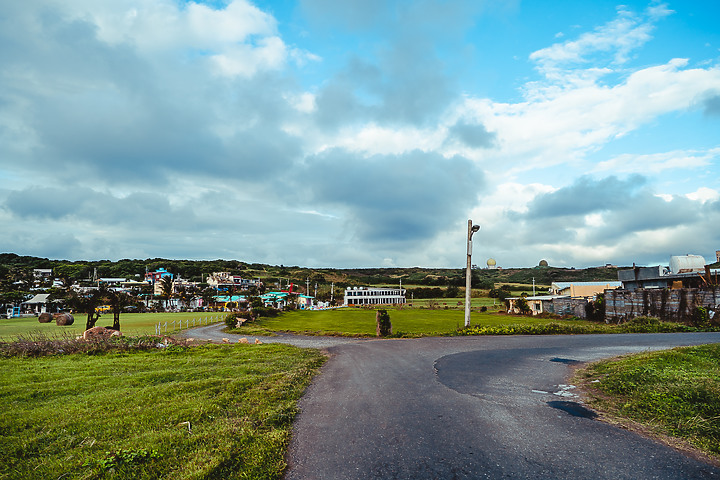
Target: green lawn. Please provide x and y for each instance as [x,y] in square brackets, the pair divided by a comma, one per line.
[408,321]
[674,392]
[202,412]
[457,303]
[130,324]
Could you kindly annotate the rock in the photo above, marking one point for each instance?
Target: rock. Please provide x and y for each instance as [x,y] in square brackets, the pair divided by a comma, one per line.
[45,318]
[63,319]
[257,341]
[99,333]
[243,340]
[226,340]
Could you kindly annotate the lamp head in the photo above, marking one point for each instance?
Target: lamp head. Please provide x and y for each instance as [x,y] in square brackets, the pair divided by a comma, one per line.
[475,228]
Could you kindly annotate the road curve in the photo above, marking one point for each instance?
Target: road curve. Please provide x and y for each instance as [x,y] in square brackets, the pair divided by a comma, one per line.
[470,408]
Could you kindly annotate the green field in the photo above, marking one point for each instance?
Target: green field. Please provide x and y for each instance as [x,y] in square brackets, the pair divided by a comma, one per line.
[406,321]
[202,412]
[673,392]
[130,324]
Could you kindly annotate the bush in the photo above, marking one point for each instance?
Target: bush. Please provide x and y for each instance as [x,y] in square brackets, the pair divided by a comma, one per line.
[265,312]
[645,321]
[384,327]
[700,317]
[231,320]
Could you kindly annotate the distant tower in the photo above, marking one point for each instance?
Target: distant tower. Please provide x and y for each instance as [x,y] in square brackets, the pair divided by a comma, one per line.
[717,254]
[543,263]
[491,263]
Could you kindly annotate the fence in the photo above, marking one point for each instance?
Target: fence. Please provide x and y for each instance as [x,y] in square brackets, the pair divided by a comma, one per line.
[674,305]
[177,325]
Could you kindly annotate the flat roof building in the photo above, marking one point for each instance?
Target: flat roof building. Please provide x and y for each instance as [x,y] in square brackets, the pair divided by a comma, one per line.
[374,296]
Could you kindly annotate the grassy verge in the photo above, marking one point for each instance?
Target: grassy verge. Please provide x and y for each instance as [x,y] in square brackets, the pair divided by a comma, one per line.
[130,324]
[201,412]
[356,322]
[405,322]
[673,394]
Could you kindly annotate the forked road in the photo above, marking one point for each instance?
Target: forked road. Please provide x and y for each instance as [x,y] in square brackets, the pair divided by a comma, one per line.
[473,407]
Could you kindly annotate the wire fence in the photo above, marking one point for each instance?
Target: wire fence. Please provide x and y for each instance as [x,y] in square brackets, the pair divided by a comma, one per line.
[177,325]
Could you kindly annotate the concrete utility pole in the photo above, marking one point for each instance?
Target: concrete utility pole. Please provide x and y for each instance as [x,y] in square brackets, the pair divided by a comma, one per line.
[468,274]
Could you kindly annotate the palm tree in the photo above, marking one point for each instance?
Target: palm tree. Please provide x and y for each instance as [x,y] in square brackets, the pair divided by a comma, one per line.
[207,295]
[166,288]
[185,295]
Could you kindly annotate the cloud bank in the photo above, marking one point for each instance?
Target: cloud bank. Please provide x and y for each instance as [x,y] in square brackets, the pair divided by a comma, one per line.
[355,134]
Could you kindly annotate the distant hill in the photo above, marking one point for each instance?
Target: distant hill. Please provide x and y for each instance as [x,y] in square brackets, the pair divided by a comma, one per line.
[197,270]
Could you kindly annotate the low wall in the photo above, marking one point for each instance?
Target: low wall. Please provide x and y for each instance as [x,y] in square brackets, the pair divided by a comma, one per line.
[672,305]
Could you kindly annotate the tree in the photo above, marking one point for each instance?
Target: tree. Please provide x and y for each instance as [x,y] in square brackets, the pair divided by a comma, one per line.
[522,306]
[166,289]
[118,301]
[87,303]
[596,308]
[452,292]
[208,295]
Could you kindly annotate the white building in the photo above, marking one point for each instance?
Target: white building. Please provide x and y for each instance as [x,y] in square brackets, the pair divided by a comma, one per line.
[374,296]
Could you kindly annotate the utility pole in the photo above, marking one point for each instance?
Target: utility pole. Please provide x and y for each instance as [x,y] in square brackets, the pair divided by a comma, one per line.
[468,274]
[307,286]
[332,292]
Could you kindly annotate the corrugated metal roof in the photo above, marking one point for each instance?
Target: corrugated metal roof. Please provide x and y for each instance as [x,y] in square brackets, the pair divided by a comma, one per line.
[564,285]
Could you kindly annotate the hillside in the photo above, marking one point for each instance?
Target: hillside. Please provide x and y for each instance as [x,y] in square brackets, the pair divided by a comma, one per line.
[197,270]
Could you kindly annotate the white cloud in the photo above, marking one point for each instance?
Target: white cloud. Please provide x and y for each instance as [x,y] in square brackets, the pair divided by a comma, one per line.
[658,162]
[618,38]
[372,139]
[245,60]
[555,129]
[704,195]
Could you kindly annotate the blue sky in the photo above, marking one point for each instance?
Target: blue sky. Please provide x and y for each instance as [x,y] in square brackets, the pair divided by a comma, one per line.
[360,133]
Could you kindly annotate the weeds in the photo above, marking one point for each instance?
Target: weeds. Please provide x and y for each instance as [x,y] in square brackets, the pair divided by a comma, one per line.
[637,325]
[674,392]
[38,345]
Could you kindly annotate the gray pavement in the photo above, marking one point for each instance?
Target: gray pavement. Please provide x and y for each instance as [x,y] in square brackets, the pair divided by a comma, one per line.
[471,407]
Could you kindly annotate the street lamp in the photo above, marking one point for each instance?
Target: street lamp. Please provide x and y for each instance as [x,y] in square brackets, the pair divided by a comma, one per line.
[468,276]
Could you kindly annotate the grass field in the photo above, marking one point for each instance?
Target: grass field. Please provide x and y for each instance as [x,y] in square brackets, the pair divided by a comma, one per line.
[407,321]
[457,303]
[202,412]
[674,392]
[130,324]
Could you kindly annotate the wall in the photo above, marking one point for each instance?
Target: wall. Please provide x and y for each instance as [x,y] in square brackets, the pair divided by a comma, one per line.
[568,306]
[666,304]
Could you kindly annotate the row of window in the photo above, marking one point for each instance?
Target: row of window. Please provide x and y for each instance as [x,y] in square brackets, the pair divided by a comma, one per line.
[366,293]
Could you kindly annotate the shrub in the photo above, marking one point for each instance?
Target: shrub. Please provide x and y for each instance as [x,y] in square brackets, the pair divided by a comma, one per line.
[644,321]
[264,312]
[522,306]
[231,320]
[384,327]
[700,317]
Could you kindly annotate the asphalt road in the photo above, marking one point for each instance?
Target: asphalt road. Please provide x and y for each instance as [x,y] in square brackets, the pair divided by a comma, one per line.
[473,407]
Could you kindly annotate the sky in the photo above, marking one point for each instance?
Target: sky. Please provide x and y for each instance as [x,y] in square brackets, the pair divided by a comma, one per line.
[361,133]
